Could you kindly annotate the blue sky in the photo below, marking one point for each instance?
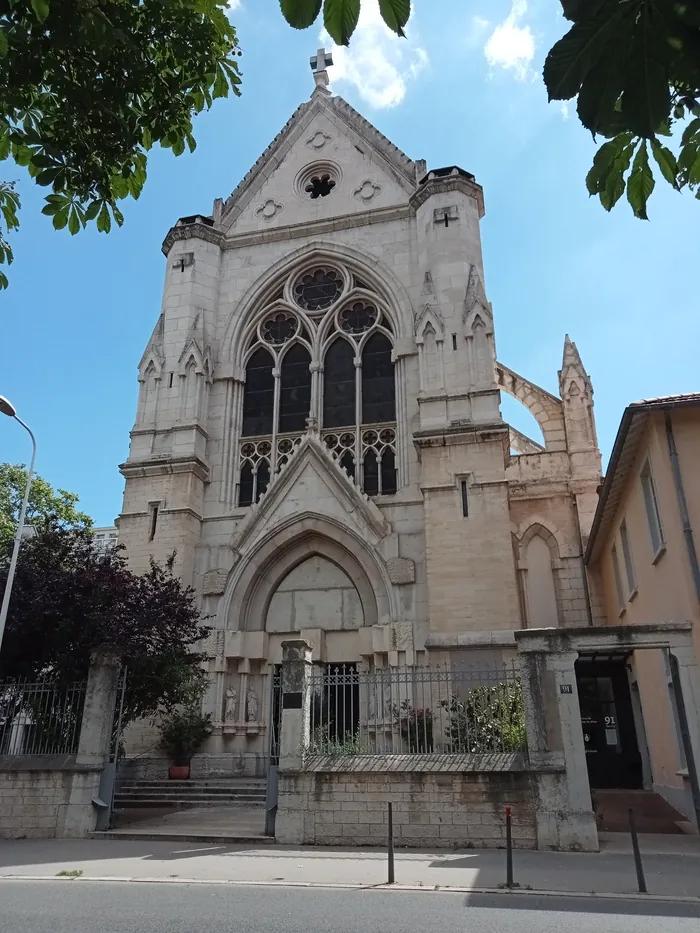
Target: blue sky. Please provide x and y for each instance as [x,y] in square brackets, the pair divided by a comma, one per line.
[464,88]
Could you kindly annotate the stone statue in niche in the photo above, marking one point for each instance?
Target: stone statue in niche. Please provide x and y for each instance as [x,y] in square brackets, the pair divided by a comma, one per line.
[230,708]
[251,707]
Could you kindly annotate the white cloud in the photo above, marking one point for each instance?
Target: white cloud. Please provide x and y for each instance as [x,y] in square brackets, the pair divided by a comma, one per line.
[377,63]
[564,110]
[234,4]
[512,45]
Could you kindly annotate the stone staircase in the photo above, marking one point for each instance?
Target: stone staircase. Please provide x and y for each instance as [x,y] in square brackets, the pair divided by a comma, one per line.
[179,795]
[652,814]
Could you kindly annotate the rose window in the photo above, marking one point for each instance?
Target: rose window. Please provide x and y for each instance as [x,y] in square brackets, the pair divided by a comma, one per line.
[317,290]
[279,328]
[358,318]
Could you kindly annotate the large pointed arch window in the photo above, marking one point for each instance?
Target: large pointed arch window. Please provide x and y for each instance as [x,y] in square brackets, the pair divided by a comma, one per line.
[320,358]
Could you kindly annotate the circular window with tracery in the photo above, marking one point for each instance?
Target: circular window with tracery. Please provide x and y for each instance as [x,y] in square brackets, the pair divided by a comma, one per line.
[279,328]
[358,318]
[318,289]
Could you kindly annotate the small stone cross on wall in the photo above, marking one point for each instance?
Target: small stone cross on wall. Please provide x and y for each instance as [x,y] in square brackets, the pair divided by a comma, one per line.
[319,62]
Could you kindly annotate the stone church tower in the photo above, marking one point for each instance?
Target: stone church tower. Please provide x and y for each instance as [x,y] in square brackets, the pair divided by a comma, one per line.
[318,432]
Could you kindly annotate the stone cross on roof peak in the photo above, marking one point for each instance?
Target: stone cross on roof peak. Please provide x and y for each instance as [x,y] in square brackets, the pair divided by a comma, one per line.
[319,62]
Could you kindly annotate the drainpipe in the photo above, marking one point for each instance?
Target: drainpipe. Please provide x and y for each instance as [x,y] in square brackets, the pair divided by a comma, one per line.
[584,570]
[682,504]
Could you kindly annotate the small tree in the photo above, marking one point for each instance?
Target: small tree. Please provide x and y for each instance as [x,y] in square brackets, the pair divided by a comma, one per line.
[489,719]
[415,727]
[45,503]
[68,600]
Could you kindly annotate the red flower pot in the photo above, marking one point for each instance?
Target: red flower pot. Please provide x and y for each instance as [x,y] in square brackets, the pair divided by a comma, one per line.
[179,772]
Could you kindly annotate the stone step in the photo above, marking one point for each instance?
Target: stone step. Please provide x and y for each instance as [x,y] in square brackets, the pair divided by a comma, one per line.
[202,795]
[174,803]
[652,814]
[198,782]
[195,789]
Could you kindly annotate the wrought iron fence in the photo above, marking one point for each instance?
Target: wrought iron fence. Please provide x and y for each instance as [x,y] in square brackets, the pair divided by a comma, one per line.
[446,710]
[41,718]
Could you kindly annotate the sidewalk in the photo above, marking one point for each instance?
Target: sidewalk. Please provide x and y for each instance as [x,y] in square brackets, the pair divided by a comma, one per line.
[671,873]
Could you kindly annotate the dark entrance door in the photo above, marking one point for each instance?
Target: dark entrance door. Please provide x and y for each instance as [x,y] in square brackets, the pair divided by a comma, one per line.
[607,720]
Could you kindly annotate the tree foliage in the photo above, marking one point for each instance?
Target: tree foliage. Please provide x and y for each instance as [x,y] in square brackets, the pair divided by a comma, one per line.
[633,67]
[45,504]
[68,600]
[86,89]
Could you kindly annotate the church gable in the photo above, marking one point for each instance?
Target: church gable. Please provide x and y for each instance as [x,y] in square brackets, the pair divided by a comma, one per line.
[328,162]
[311,482]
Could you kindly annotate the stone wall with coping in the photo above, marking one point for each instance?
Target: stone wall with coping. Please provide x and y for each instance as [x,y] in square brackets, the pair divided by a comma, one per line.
[435,809]
[36,792]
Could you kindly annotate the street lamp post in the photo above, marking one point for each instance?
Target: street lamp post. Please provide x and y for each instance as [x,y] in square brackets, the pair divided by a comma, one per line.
[7,408]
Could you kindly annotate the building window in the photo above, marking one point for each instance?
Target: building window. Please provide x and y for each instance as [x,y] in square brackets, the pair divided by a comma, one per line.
[618,579]
[323,321]
[652,509]
[320,186]
[339,391]
[464,495]
[629,563]
[259,395]
[295,389]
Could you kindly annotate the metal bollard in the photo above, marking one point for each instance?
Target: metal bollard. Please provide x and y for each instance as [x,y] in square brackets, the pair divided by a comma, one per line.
[509,848]
[641,881]
[390,846]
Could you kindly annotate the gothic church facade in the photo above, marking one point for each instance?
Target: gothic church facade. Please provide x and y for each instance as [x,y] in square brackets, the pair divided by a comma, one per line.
[319,435]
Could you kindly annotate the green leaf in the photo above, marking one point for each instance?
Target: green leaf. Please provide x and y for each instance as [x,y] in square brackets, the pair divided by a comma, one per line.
[5,146]
[4,45]
[73,222]
[666,161]
[300,14]
[640,184]
[691,129]
[22,154]
[92,210]
[395,14]
[41,9]
[60,218]
[50,209]
[46,177]
[104,223]
[584,45]
[43,161]
[694,172]
[603,161]
[3,281]
[118,216]
[220,86]
[340,19]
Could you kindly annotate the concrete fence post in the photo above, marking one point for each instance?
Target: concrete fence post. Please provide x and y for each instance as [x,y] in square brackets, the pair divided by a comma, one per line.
[564,818]
[94,742]
[294,738]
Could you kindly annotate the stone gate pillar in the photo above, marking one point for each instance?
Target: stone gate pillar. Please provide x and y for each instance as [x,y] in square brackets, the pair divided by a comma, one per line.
[564,818]
[93,744]
[294,738]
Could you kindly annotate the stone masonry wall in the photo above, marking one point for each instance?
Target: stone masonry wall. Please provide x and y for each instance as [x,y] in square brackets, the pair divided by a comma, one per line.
[33,803]
[436,810]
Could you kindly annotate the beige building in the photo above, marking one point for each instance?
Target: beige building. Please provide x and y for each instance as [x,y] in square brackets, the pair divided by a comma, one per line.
[643,549]
[319,436]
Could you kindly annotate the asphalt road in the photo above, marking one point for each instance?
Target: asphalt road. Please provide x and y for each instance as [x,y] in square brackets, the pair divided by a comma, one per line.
[99,907]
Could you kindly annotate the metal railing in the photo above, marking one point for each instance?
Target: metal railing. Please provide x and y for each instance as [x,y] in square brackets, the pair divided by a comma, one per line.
[41,718]
[450,710]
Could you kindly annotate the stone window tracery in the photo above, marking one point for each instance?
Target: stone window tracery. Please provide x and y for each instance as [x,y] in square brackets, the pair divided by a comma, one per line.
[320,357]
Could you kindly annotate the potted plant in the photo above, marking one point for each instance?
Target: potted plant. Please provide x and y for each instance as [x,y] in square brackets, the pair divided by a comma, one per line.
[183,732]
